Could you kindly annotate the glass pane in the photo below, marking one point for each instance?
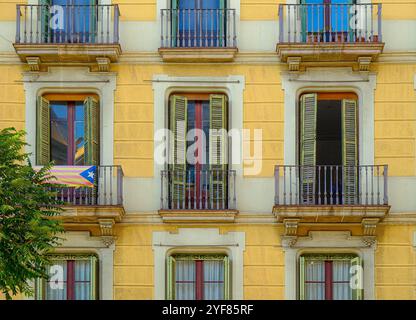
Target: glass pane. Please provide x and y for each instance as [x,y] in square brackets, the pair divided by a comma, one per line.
[185,280]
[341,280]
[314,280]
[59,132]
[213,280]
[82,283]
[79,132]
[56,286]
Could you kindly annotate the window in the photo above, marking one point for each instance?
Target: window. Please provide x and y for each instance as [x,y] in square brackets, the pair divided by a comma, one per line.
[79,24]
[71,277]
[328,148]
[67,129]
[327,20]
[199,23]
[198,277]
[328,277]
[198,177]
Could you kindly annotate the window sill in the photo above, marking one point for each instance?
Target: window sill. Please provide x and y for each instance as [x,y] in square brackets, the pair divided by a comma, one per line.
[198,216]
[198,54]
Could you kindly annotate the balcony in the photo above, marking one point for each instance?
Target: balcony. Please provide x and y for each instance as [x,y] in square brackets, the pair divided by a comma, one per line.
[331,193]
[102,203]
[195,196]
[198,35]
[67,34]
[330,34]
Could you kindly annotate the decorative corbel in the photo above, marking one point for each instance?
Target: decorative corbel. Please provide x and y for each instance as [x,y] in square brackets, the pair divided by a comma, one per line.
[103,64]
[291,227]
[369,226]
[34,63]
[106,227]
[364,63]
[294,63]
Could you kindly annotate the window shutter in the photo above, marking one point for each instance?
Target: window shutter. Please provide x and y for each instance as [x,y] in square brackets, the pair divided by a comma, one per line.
[302,278]
[218,150]
[170,278]
[174,26]
[221,28]
[357,293]
[92,28]
[349,150]
[303,16]
[42,131]
[178,125]
[45,17]
[227,278]
[91,134]
[308,146]
[94,278]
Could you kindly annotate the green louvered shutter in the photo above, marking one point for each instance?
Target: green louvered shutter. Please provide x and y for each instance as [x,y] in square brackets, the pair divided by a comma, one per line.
[357,293]
[349,151]
[227,279]
[43,149]
[302,278]
[92,133]
[218,151]
[45,17]
[174,23]
[170,278]
[92,31]
[308,103]
[178,125]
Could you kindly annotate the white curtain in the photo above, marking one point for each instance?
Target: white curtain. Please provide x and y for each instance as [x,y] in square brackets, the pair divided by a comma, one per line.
[213,280]
[82,285]
[315,271]
[185,280]
[341,277]
[56,286]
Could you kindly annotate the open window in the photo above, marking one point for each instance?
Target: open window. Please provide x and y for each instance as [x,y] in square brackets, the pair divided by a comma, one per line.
[328,154]
[198,173]
[198,277]
[329,277]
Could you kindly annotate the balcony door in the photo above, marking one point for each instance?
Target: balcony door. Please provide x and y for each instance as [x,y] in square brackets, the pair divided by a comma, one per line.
[326,20]
[198,23]
[76,23]
[198,175]
[328,148]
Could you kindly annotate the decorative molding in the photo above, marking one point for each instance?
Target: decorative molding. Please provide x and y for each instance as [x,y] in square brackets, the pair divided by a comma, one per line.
[198,216]
[107,231]
[103,64]
[294,63]
[364,63]
[199,240]
[291,227]
[327,242]
[34,63]
[369,226]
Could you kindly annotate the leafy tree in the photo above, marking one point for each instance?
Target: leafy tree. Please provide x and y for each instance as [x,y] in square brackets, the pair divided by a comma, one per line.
[27,231]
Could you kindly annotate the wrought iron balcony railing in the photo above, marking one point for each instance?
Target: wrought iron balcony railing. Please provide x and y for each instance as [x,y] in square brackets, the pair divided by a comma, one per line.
[198,28]
[364,185]
[67,24]
[198,190]
[108,190]
[330,23]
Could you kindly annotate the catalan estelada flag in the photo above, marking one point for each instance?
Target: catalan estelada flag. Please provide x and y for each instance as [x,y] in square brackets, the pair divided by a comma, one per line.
[73,176]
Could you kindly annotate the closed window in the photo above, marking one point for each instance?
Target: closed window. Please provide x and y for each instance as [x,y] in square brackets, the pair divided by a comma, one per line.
[70,278]
[329,277]
[198,277]
[67,130]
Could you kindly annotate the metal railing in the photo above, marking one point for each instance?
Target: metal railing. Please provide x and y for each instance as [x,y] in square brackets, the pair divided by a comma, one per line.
[198,189]
[198,28]
[331,185]
[108,189]
[332,23]
[46,24]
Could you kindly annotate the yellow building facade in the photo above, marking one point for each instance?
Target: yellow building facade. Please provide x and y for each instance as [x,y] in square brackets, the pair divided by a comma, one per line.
[267,58]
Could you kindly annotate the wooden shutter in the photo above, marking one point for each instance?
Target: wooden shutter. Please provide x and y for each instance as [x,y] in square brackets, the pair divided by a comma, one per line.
[170,278]
[43,138]
[227,279]
[357,293]
[178,125]
[302,278]
[349,150]
[174,23]
[45,17]
[218,150]
[308,103]
[91,132]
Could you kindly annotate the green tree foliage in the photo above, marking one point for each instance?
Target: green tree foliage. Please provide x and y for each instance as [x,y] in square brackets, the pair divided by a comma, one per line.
[27,232]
